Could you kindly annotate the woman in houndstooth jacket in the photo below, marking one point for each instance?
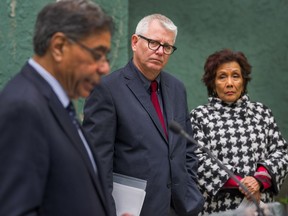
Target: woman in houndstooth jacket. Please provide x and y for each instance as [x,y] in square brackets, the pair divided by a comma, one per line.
[240,133]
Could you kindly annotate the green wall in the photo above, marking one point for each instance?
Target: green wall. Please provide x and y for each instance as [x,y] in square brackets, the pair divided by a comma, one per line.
[16,29]
[256,27]
[17,19]
[118,9]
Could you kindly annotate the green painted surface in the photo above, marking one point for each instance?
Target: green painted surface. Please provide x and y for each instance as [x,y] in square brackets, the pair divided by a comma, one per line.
[256,27]
[17,19]
[16,29]
[118,9]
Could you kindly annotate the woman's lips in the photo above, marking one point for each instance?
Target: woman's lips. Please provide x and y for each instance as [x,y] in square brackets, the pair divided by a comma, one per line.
[230,93]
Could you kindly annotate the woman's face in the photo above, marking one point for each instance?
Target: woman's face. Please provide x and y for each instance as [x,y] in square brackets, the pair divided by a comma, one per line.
[229,82]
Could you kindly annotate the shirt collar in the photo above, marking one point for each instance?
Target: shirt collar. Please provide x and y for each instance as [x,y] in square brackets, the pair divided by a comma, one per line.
[55,85]
[143,79]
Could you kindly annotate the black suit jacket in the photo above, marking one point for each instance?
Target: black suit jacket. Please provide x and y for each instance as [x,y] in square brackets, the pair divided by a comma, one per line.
[133,142]
[44,166]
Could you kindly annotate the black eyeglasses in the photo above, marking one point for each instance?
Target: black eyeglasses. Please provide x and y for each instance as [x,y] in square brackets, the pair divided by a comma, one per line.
[154,45]
[96,54]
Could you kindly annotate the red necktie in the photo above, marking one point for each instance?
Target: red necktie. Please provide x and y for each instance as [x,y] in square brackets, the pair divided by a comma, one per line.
[155,101]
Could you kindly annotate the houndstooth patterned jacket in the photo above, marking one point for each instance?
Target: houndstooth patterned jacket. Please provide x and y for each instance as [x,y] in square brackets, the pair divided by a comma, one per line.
[242,135]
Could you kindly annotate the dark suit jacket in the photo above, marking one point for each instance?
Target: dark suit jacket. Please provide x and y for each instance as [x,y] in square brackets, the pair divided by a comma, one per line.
[133,143]
[44,167]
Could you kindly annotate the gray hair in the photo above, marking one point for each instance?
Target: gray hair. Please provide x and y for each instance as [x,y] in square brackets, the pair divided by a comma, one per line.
[142,26]
[75,18]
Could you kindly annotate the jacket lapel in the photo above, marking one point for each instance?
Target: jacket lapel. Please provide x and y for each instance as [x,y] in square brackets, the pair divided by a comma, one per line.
[135,85]
[64,120]
[167,103]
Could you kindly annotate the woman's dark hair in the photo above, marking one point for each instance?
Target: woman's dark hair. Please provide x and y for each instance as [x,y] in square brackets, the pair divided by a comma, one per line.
[220,57]
[75,18]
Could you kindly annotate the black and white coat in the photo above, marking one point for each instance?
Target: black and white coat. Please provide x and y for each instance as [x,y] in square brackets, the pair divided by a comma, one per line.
[242,135]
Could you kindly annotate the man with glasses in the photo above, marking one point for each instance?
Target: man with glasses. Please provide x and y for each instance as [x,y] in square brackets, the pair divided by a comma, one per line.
[130,112]
[47,165]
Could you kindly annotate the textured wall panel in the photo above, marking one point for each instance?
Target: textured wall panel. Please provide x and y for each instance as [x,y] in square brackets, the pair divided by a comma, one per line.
[258,28]
[16,29]
[17,18]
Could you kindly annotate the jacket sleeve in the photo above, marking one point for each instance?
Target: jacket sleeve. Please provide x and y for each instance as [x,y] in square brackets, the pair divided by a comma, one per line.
[24,159]
[277,155]
[99,113]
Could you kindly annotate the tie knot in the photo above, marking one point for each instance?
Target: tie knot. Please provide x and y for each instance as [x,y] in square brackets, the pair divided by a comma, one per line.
[71,110]
[154,86]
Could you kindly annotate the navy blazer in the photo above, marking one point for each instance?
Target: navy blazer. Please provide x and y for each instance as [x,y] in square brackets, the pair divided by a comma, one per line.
[120,114]
[44,166]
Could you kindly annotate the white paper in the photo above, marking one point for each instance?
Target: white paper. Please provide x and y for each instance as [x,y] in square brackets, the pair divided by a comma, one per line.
[250,208]
[249,204]
[128,193]
[128,199]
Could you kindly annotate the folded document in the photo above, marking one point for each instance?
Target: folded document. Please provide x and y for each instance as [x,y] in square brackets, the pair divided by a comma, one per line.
[129,194]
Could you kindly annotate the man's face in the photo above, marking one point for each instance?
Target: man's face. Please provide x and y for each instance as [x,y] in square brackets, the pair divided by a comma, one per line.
[148,61]
[81,71]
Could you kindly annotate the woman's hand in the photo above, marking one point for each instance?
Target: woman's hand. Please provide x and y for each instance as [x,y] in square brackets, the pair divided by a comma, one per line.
[253,187]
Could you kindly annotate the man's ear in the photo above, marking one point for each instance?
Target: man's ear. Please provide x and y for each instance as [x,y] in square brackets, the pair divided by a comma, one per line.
[58,45]
[134,40]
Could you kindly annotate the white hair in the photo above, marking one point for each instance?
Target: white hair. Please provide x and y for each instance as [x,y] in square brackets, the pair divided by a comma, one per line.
[143,24]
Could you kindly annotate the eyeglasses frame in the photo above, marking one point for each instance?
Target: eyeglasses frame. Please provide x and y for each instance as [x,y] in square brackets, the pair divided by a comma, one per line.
[97,55]
[160,44]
